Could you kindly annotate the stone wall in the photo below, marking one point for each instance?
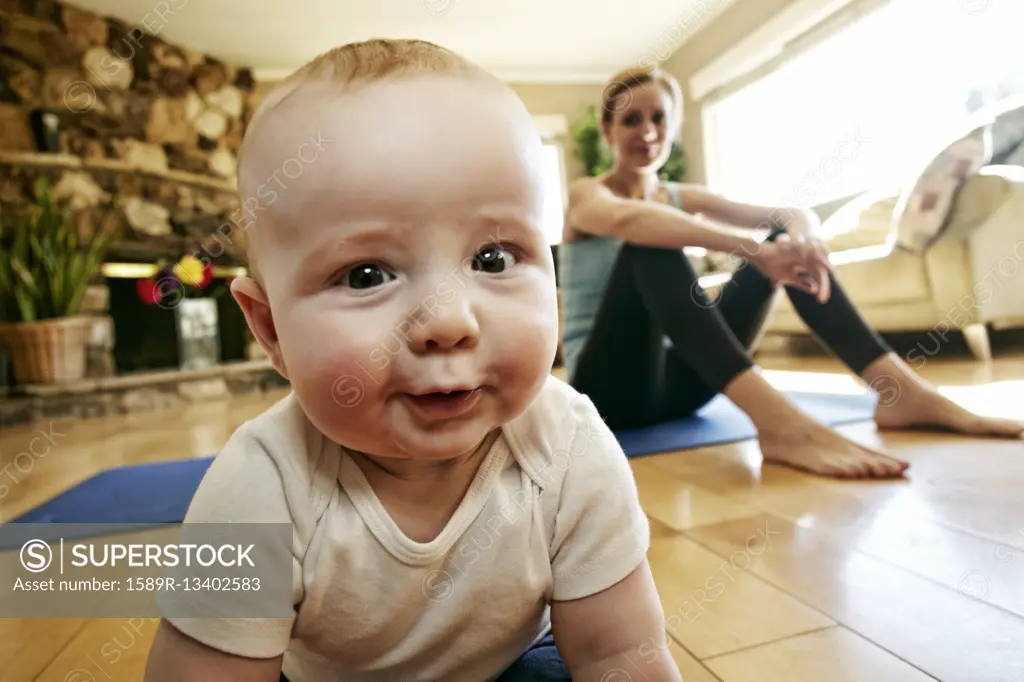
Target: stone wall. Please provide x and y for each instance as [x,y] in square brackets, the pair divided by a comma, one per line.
[153,124]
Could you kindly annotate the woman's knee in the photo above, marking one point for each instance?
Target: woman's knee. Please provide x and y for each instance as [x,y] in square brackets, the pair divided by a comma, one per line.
[749,277]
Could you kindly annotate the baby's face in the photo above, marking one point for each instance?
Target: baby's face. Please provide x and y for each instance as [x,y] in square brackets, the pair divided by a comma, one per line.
[411,287]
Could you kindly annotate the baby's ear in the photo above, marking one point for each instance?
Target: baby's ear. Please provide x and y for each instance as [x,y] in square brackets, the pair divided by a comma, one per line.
[256,308]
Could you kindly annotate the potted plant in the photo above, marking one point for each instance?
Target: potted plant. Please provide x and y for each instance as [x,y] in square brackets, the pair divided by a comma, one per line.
[45,266]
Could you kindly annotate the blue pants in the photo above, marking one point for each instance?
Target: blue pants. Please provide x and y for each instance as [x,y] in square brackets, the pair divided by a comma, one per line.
[541,663]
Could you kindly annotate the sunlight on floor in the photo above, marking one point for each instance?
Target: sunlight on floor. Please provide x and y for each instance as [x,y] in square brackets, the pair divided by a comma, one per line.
[806,521]
[995,399]
[905,504]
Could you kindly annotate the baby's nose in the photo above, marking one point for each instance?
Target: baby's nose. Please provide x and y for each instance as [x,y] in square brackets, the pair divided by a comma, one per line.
[447,326]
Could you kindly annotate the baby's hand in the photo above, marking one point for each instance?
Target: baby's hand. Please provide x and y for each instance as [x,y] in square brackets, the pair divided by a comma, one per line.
[616,631]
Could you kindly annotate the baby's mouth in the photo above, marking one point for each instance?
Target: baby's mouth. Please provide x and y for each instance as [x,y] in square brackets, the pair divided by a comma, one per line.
[444,404]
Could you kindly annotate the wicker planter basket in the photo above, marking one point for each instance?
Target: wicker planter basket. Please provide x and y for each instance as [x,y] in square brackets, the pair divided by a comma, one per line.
[48,351]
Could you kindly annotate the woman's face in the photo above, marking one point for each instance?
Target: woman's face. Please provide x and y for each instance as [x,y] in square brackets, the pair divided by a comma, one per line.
[639,134]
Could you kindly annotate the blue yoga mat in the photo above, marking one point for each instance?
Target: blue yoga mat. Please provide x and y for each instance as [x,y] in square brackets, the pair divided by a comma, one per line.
[144,495]
[128,498]
[720,421]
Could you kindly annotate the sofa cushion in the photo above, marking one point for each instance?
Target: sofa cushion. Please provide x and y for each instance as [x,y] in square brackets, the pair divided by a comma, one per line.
[980,197]
[923,211]
[899,276]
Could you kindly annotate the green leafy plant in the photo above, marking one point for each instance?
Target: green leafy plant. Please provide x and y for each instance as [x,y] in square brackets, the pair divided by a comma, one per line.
[674,169]
[593,152]
[591,149]
[45,265]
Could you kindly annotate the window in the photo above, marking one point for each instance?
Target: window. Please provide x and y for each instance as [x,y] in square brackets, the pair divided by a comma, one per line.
[553,130]
[554,192]
[866,108]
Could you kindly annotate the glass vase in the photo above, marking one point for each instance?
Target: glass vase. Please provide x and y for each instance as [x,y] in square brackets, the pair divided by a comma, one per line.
[198,333]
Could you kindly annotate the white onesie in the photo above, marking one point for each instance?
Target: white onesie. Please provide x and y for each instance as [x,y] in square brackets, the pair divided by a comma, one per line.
[552,514]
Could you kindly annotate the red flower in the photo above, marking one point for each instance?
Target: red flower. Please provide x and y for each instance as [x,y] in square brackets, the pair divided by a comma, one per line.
[207,276]
[148,291]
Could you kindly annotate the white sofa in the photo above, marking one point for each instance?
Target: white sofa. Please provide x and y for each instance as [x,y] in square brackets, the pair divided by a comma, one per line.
[971,280]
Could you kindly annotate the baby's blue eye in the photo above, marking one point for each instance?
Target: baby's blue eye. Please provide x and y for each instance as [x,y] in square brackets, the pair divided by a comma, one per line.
[367,275]
[493,259]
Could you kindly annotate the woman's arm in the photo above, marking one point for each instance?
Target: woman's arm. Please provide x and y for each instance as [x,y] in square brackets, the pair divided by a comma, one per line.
[800,224]
[698,199]
[594,209]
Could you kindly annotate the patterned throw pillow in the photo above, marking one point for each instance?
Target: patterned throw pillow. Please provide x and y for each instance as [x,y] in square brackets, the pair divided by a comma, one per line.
[923,211]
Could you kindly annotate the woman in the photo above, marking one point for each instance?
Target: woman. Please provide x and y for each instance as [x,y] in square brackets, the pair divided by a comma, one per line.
[643,341]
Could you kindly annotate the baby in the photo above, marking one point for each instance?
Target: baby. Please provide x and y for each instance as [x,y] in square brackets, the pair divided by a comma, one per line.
[459,514]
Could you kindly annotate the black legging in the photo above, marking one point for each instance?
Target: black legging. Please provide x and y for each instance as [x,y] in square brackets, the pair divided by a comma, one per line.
[660,349]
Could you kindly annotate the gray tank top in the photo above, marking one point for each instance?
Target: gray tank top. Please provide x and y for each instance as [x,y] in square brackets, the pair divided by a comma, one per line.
[584,268]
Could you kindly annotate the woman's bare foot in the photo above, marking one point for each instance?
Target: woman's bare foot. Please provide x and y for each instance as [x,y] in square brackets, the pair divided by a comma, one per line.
[926,408]
[817,449]
[905,401]
[789,436]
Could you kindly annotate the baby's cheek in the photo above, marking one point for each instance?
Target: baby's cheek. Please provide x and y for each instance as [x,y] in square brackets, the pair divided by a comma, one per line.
[542,320]
[528,341]
[331,362]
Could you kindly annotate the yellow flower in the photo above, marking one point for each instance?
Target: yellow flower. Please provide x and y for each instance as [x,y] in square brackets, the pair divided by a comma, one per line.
[189,270]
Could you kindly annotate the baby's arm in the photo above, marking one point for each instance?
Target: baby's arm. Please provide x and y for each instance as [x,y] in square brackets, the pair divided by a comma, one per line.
[616,634]
[233,636]
[606,616]
[175,657]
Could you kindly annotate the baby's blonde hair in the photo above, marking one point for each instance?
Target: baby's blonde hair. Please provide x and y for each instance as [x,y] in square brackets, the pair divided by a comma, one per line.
[368,62]
[347,67]
[615,97]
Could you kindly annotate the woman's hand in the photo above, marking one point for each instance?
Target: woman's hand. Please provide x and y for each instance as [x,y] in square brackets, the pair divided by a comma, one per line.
[803,228]
[796,263]
[807,267]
